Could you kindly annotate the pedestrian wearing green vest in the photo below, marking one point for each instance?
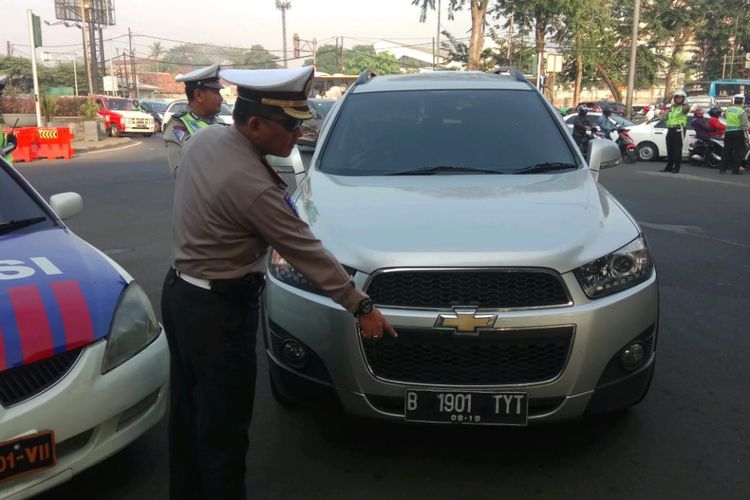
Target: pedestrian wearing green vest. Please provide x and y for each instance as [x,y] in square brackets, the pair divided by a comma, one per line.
[204,103]
[735,138]
[676,118]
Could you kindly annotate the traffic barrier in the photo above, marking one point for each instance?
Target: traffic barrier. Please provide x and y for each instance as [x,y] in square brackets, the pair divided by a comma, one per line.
[55,142]
[27,148]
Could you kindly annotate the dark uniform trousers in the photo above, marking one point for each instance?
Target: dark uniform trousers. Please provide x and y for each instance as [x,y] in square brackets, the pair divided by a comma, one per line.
[211,337]
[734,150]
[674,149]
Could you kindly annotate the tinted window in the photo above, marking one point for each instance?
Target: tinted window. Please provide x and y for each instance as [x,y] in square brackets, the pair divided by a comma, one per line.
[320,107]
[118,104]
[158,107]
[17,204]
[384,132]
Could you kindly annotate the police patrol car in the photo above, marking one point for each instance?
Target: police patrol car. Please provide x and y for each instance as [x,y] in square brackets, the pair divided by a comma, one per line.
[84,364]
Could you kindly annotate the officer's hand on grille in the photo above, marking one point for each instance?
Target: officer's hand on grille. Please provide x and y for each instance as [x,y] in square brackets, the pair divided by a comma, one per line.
[373,324]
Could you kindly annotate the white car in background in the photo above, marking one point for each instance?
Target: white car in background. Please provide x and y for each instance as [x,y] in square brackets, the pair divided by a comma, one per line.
[84,363]
[180,105]
[650,138]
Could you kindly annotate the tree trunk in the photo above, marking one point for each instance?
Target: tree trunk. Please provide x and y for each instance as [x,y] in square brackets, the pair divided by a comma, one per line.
[672,67]
[579,71]
[610,83]
[540,29]
[478,14]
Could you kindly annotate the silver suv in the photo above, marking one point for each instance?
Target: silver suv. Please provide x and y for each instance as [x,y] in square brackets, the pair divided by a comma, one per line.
[521,289]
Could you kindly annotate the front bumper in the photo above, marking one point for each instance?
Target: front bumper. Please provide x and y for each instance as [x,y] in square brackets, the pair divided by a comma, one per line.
[603,327]
[93,415]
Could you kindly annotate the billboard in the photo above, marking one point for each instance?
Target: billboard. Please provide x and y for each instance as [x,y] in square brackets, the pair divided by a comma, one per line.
[101,12]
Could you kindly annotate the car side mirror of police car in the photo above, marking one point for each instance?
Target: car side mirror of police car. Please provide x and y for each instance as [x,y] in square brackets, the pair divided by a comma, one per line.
[66,205]
[602,154]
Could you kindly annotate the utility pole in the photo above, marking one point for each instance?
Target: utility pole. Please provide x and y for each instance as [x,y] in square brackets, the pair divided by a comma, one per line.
[437,44]
[434,55]
[283,5]
[92,48]
[32,45]
[724,68]
[315,51]
[9,48]
[633,55]
[510,41]
[75,73]
[86,58]
[125,70]
[132,64]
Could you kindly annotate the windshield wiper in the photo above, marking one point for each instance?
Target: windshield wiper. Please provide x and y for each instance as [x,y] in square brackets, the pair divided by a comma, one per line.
[445,168]
[545,167]
[12,225]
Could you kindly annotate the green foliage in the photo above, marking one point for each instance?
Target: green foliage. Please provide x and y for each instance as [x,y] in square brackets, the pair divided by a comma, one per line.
[362,57]
[259,58]
[89,110]
[326,59]
[50,106]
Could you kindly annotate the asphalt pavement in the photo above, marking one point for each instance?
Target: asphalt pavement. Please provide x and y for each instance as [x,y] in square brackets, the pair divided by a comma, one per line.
[689,439]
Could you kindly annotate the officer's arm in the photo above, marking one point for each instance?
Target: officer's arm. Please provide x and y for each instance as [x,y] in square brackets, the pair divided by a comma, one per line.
[173,138]
[272,218]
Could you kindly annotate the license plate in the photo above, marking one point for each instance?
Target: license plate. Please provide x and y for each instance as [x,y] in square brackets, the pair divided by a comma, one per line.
[467,407]
[27,454]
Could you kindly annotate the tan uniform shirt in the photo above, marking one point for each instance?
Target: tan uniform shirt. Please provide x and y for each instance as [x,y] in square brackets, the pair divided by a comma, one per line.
[230,206]
[175,134]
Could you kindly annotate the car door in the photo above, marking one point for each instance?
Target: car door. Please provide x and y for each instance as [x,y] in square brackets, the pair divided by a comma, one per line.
[659,135]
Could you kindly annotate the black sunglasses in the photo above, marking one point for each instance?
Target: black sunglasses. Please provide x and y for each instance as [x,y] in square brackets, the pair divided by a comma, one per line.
[289,123]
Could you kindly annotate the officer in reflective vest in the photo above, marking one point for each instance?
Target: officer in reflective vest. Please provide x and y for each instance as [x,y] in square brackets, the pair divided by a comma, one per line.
[204,103]
[735,138]
[10,138]
[676,124]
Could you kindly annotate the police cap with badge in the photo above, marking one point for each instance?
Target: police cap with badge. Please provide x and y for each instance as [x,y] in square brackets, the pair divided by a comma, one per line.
[274,94]
[206,77]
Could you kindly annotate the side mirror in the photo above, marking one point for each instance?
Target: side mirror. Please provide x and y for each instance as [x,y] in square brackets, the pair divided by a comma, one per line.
[66,205]
[602,154]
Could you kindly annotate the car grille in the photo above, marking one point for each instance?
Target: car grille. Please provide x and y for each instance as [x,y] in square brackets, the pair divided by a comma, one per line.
[490,358]
[25,382]
[494,289]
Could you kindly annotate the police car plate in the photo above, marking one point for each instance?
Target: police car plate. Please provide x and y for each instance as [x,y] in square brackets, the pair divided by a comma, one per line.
[466,407]
[27,454]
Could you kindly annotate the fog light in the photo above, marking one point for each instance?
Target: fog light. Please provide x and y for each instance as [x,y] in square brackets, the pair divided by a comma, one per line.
[294,353]
[632,355]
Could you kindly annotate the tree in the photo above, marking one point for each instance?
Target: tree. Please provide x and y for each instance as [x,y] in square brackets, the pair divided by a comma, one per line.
[361,57]
[327,59]
[155,52]
[259,58]
[478,23]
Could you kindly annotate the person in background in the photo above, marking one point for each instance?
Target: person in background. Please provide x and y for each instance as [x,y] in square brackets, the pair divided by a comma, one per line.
[605,123]
[701,126]
[581,126]
[715,126]
[676,125]
[735,138]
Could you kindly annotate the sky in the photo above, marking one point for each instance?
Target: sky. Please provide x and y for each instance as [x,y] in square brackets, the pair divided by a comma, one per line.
[239,23]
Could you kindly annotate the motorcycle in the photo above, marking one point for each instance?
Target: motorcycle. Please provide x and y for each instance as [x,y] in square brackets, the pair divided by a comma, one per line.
[707,152]
[627,145]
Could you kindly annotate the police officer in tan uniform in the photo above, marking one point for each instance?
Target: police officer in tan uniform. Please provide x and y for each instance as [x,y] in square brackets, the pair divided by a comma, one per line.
[229,207]
[202,88]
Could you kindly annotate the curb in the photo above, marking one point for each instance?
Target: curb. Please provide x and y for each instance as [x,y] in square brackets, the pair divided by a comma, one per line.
[103,145]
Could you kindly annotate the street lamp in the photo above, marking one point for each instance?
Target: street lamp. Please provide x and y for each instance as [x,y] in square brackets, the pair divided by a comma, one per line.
[283,5]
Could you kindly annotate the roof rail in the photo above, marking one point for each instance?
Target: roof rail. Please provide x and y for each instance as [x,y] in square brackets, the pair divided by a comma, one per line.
[510,70]
[364,77]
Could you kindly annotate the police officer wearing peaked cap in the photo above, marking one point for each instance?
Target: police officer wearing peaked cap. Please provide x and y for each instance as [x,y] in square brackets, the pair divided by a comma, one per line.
[202,88]
[229,207]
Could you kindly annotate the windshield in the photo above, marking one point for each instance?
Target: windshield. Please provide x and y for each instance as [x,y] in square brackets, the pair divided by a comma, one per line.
[158,107]
[119,104]
[382,133]
[17,205]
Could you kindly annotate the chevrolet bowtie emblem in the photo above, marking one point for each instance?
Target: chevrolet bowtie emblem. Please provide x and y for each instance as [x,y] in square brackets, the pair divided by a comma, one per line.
[465,321]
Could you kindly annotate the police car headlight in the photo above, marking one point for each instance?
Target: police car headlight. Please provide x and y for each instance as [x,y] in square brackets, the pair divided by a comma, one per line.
[618,271]
[283,271]
[134,327]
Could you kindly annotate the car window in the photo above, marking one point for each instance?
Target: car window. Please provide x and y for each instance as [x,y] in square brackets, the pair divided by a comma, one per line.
[384,132]
[321,108]
[157,107]
[119,104]
[16,204]
[619,120]
[569,120]
[661,124]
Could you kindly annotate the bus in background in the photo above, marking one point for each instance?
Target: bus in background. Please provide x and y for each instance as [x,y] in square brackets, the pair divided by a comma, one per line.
[723,90]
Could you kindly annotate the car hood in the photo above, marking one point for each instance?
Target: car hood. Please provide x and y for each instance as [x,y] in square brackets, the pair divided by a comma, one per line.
[57,293]
[557,221]
[133,114]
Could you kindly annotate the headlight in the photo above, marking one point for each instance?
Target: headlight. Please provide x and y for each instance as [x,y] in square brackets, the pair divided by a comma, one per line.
[283,271]
[620,270]
[134,326]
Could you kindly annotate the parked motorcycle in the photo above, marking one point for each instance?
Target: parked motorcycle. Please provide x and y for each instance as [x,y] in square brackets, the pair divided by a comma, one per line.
[706,152]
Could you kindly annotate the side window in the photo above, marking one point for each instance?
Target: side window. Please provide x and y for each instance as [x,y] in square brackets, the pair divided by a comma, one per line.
[661,124]
[569,120]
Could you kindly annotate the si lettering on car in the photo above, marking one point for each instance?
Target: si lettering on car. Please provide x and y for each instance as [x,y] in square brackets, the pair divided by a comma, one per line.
[16,270]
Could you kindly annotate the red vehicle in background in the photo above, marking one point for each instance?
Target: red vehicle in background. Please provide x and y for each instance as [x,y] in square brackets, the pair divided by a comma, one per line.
[120,117]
